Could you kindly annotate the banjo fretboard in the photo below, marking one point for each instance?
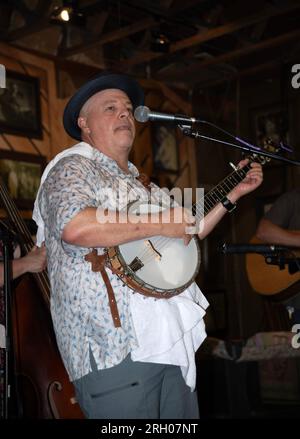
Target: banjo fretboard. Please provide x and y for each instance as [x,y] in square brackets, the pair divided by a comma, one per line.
[215,195]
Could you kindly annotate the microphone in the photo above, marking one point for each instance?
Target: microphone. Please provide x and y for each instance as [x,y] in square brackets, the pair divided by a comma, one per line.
[143,114]
[228,249]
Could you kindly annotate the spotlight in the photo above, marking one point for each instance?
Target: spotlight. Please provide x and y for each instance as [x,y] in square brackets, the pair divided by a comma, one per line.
[68,12]
[61,13]
[65,15]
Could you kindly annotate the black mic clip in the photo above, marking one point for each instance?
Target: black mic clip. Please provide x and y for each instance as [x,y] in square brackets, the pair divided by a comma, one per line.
[186,130]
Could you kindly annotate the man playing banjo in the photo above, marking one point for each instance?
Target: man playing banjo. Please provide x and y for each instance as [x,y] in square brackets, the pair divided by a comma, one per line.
[129,355]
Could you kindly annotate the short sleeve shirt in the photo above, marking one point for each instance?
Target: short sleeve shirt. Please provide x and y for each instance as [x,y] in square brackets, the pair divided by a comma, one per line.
[285,212]
[79,302]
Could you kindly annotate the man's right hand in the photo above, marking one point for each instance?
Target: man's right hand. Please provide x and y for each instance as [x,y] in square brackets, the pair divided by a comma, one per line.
[176,223]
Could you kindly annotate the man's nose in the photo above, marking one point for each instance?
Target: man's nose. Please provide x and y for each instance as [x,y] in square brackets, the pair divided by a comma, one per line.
[125,112]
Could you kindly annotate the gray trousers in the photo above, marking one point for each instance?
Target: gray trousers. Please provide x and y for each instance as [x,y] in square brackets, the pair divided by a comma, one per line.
[136,390]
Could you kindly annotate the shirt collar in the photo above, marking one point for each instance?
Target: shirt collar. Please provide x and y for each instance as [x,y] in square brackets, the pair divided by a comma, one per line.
[108,162]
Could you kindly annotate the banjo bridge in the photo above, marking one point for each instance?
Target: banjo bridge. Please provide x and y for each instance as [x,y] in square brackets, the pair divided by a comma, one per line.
[156,253]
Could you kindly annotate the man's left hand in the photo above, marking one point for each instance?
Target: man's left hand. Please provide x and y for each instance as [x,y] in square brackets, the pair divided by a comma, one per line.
[253,179]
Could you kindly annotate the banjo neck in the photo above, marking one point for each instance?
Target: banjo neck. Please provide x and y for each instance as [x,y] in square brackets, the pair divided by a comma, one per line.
[215,195]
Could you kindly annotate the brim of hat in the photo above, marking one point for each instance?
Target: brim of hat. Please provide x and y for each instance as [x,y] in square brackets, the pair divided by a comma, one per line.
[102,82]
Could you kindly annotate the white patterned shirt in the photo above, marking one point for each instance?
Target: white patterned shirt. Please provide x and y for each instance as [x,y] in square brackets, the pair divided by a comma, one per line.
[79,301]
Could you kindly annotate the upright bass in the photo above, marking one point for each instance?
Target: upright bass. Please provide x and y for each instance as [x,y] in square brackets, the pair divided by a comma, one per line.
[44,390]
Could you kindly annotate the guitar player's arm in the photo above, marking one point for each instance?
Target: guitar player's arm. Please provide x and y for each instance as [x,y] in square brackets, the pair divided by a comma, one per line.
[33,262]
[274,234]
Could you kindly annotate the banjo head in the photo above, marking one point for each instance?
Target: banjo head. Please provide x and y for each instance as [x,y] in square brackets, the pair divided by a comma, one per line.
[174,269]
[158,266]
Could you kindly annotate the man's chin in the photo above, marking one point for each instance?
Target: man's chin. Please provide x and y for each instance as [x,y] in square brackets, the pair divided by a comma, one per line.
[126,141]
[125,146]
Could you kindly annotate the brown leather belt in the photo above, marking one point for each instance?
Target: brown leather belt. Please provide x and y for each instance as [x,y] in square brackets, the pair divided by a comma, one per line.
[98,265]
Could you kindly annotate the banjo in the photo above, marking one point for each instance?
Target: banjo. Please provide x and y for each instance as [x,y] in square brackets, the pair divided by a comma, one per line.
[163,267]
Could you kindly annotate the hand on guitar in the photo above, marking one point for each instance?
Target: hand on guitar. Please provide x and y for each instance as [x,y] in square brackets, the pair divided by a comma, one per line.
[253,179]
[176,223]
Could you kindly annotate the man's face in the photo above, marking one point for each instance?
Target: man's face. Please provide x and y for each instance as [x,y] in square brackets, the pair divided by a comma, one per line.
[110,121]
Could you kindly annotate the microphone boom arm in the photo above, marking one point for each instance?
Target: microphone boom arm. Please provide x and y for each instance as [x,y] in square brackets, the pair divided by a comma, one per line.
[188,131]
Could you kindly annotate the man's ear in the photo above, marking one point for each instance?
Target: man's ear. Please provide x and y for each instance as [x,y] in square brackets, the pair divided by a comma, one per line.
[82,123]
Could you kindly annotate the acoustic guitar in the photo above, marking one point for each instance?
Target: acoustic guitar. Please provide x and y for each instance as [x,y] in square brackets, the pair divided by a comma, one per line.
[270,279]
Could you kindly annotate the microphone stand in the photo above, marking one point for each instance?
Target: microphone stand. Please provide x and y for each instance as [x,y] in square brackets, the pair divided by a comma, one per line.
[5,237]
[12,406]
[187,130]
[274,254]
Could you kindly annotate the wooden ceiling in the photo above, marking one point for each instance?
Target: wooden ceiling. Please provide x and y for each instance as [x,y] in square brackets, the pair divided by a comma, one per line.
[185,43]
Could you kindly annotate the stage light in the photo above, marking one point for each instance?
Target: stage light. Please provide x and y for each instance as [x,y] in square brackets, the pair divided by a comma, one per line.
[68,12]
[64,15]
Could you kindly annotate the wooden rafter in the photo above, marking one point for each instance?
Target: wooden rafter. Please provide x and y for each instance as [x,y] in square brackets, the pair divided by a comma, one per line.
[36,20]
[62,63]
[217,32]
[25,31]
[267,44]
[110,37]
[252,71]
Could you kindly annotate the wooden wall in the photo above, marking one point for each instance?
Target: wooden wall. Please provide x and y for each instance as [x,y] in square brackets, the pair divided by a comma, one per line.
[51,107]
[158,97]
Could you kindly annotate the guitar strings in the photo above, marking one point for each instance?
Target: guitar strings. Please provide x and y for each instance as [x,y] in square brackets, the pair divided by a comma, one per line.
[21,226]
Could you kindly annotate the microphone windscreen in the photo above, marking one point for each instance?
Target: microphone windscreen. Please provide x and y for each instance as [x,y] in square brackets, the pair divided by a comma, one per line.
[141,113]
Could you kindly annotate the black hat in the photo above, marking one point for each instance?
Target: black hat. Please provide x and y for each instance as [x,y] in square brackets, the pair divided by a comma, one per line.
[100,82]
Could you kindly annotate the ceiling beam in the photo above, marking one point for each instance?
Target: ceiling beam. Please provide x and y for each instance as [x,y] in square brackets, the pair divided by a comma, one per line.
[271,42]
[25,31]
[216,32]
[62,63]
[110,37]
[272,65]
[36,21]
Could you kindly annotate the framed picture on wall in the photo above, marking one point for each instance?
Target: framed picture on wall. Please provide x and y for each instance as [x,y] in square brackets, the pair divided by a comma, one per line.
[20,112]
[165,148]
[21,174]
